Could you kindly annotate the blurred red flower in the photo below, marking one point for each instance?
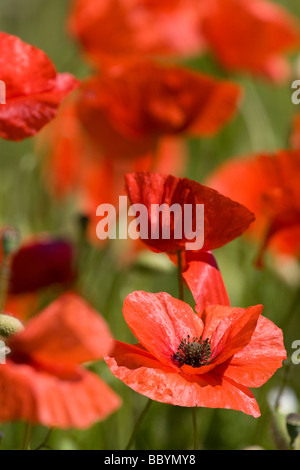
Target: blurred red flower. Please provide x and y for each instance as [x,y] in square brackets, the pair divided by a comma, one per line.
[130,106]
[250,36]
[269,186]
[117,29]
[74,166]
[185,360]
[43,382]
[224,219]
[113,30]
[41,262]
[34,89]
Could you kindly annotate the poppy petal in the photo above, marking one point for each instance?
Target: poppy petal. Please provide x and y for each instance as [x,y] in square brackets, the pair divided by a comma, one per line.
[33,88]
[68,331]
[234,331]
[160,322]
[113,29]
[258,361]
[269,187]
[202,276]
[224,219]
[28,395]
[161,383]
[259,47]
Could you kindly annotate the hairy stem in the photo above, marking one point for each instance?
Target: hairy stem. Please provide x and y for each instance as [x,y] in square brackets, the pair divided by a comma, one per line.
[179,274]
[195,428]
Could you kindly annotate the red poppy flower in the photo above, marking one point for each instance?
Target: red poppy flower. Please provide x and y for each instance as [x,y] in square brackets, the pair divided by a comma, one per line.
[43,381]
[129,107]
[186,360]
[34,89]
[269,186]
[114,29]
[224,219]
[251,37]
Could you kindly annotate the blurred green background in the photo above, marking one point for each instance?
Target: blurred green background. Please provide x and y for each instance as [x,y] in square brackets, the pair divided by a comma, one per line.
[263,124]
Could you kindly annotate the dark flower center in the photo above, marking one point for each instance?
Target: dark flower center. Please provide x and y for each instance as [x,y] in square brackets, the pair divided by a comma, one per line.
[193,352]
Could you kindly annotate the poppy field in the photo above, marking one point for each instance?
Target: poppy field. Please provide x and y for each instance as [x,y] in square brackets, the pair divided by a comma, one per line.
[150,225]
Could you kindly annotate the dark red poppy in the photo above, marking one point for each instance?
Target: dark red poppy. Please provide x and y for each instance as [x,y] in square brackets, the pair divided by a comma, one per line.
[269,186]
[43,381]
[252,37]
[129,107]
[224,219]
[33,88]
[185,360]
[116,29]
[41,262]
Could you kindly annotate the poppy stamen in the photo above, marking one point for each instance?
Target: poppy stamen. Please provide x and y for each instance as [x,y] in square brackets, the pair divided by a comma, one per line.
[193,352]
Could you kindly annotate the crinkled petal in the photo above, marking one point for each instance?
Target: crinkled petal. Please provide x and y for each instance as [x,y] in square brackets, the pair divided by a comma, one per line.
[224,219]
[34,89]
[234,330]
[153,379]
[25,115]
[259,360]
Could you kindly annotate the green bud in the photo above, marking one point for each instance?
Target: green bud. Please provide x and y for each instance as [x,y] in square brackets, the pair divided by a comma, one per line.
[9,326]
[10,240]
[293,426]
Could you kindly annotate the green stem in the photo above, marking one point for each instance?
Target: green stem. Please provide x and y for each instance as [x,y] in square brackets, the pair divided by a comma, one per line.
[195,428]
[27,437]
[43,444]
[179,274]
[283,385]
[4,280]
[292,310]
[138,423]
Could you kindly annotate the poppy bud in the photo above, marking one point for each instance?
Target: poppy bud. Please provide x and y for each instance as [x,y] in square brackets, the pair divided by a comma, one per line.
[293,426]
[9,326]
[10,240]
